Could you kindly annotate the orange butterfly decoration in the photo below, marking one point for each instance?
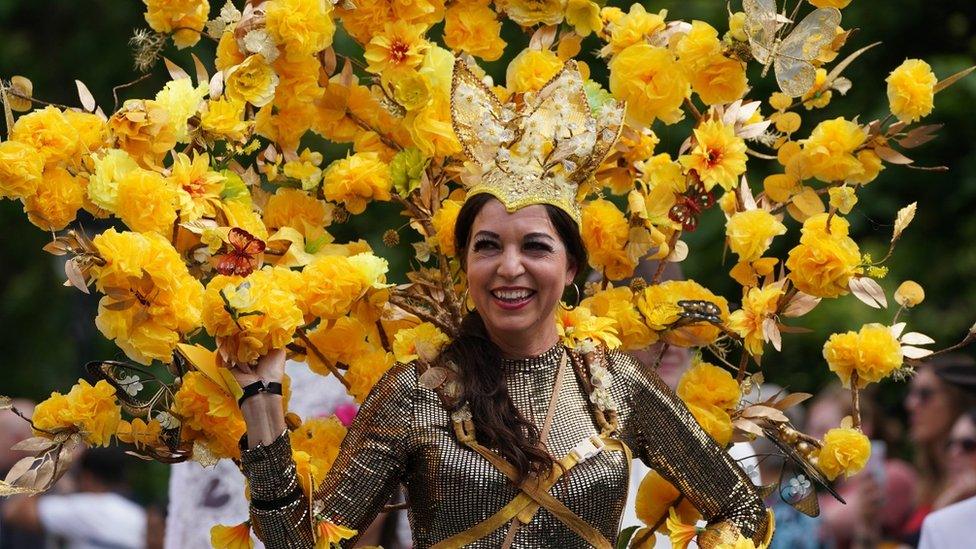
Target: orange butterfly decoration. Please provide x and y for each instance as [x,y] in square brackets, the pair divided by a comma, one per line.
[241,257]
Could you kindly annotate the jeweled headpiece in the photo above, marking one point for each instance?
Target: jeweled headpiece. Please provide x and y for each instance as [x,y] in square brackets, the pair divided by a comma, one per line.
[535,151]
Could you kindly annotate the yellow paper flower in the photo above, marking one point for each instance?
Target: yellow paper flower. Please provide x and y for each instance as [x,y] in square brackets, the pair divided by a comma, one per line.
[139,433]
[720,80]
[909,294]
[706,384]
[231,537]
[197,185]
[49,132]
[295,208]
[823,263]
[719,156]
[605,232]
[871,164]
[531,70]
[252,81]
[443,222]
[839,4]
[366,18]
[651,82]
[714,420]
[430,129]
[209,415]
[365,370]
[872,352]
[845,451]
[331,286]
[265,307]
[758,305]
[224,119]
[828,154]
[400,45]
[528,13]
[842,199]
[91,131]
[424,342]
[911,90]
[658,304]
[473,27]
[57,199]
[751,232]
[339,341]
[655,497]
[618,304]
[184,18]
[357,179]
[698,46]
[584,16]
[182,101]
[579,324]
[320,439]
[303,27]
[20,169]
[631,28]
[143,129]
[90,409]
[680,532]
[109,168]
[147,201]
[329,534]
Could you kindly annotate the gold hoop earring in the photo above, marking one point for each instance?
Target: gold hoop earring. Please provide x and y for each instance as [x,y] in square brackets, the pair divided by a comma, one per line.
[578,299]
[464,301]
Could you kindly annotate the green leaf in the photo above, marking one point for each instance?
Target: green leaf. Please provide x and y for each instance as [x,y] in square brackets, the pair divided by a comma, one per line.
[407,169]
[234,188]
[623,539]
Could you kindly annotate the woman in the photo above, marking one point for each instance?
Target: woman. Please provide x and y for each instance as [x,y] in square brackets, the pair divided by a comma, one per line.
[511,363]
[936,398]
[953,526]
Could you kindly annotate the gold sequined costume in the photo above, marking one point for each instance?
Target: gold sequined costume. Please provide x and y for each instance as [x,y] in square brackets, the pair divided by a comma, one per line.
[403,435]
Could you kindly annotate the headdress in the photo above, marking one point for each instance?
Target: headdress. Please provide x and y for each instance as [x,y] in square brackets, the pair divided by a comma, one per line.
[535,151]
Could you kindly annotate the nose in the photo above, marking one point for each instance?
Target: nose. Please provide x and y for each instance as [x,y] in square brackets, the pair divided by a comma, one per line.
[511,266]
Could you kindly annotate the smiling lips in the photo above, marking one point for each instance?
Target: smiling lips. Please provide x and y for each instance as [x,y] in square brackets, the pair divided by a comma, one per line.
[511,298]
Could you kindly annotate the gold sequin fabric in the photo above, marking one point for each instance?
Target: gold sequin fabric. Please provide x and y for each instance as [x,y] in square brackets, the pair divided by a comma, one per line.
[403,435]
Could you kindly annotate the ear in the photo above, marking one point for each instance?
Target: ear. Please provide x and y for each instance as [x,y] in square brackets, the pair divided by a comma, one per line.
[572,269]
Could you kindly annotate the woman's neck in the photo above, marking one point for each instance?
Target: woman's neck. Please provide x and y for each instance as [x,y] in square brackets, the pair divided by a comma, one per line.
[520,345]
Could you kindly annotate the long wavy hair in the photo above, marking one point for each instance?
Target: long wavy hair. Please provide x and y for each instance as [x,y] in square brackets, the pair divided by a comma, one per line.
[500,424]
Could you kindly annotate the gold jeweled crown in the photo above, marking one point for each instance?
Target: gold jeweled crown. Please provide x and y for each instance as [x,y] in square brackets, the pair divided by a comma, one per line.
[535,151]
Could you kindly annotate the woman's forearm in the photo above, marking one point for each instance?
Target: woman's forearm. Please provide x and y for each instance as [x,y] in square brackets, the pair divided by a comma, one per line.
[265,418]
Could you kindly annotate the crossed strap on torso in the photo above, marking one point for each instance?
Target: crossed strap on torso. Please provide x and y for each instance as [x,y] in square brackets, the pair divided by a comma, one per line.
[534,491]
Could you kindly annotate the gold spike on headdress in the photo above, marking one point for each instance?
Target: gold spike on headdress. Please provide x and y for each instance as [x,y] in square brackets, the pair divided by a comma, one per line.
[536,152]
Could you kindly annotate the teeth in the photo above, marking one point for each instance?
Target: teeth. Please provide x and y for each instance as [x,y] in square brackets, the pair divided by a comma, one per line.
[512,295]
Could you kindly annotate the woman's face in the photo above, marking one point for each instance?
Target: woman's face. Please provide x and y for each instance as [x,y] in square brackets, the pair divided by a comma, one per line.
[929,408]
[961,446]
[517,269]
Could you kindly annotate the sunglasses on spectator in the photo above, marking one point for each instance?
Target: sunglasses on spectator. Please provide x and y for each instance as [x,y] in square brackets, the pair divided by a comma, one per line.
[966,445]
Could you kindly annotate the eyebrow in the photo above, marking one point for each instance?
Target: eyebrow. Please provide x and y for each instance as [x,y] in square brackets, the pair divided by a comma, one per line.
[489,234]
[538,235]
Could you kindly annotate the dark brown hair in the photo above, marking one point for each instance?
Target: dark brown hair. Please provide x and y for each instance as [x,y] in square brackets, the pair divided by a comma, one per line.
[499,423]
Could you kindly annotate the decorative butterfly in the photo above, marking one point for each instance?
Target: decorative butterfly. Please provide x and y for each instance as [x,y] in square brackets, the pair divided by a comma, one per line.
[241,257]
[690,204]
[797,478]
[791,55]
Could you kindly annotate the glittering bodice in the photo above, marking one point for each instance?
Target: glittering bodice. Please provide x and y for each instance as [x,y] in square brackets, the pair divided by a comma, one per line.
[404,436]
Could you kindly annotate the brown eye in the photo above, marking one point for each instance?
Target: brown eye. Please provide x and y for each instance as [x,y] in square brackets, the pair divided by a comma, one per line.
[484,244]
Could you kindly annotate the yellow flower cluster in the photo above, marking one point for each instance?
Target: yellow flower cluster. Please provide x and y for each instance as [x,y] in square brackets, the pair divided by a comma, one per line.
[144,129]
[197,185]
[658,304]
[759,305]
[355,180]
[151,298]
[655,496]
[184,18]
[845,451]
[718,157]
[911,90]
[423,342]
[319,440]
[473,27]
[139,433]
[826,258]
[209,415]
[88,409]
[57,199]
[716,79]
[20,169]
[295,208]
[443,222]
[829,152]
[331,284]
[531,70]
[253,315]
[872,352]
[301,27]
[579,325]
[605,232]
[751,232]
[618,304]
[651,82]
[710,393]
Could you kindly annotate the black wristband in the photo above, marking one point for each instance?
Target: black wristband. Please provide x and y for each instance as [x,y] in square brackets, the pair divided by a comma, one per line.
[259,387]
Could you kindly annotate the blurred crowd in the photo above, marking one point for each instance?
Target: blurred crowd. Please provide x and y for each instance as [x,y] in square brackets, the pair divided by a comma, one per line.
[917,490]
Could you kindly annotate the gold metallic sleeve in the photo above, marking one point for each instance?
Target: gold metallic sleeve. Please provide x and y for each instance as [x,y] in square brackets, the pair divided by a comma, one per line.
[660,430]
[366,473]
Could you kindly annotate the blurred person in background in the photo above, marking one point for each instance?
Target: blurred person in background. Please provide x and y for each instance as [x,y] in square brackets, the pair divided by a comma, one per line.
[936,398]
[14,429]
[954,526]
[96,516]
[881,497]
